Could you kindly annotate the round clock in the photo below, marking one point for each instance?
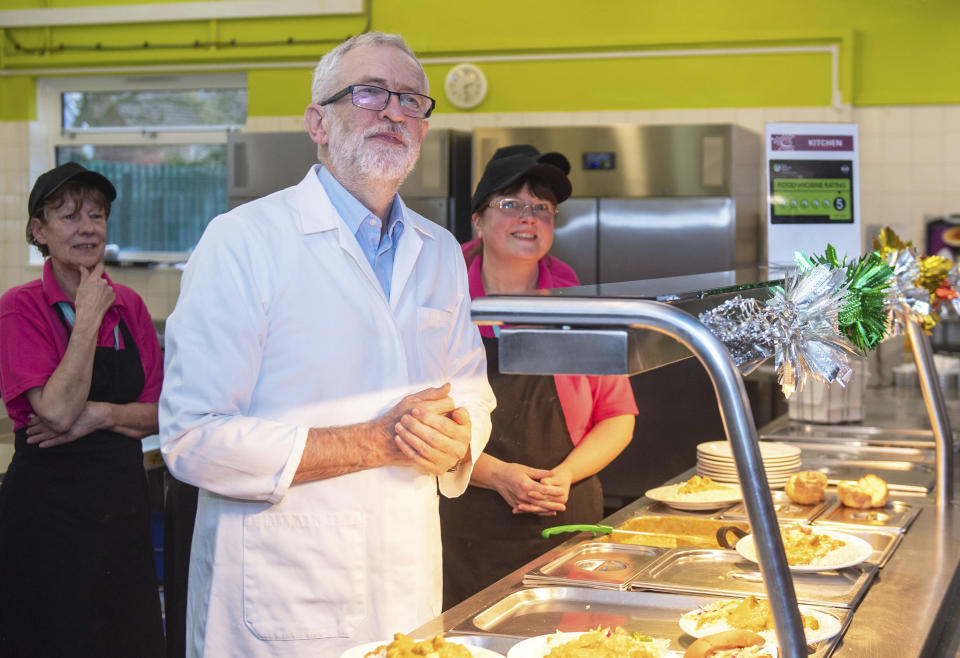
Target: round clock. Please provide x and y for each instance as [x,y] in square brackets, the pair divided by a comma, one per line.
[466,86]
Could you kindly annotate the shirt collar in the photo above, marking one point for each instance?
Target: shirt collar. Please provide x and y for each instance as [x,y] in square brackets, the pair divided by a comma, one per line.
[350,209]
[53,293]
[544,276]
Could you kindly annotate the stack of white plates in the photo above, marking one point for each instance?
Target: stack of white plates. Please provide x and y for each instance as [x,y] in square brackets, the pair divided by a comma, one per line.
[780,460]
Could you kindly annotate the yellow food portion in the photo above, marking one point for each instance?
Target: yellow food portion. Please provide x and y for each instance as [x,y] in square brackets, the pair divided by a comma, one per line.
[404,646]
[671,531]
[806,487]
[742,652]
[698,484]
[750,614]
[803,546]
[603,643]
[868,491]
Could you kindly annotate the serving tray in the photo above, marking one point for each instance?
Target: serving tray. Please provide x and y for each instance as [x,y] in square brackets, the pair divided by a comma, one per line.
[787,510]
[541,610]
[595,564]
[896,516]
[725,573]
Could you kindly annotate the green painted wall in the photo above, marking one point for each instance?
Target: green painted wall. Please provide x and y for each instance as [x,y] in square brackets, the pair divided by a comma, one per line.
[18,98]
[890,51]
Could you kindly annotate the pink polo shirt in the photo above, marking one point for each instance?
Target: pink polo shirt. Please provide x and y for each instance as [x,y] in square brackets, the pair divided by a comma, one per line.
[33,340]
[585,399]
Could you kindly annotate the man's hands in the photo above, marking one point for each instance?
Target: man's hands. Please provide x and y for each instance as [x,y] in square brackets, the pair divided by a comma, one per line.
[429,430]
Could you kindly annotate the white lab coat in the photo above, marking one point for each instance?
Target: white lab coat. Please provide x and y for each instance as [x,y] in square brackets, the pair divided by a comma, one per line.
[281,325]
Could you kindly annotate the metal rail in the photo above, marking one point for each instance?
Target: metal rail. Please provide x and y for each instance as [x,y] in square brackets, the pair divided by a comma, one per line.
[734,411]
[936,409]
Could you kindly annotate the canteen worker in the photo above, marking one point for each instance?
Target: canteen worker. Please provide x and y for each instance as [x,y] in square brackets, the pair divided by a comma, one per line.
[551,434]
[80,375]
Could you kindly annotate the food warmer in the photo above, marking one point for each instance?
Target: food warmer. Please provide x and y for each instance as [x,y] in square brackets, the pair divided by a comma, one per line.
[624,329]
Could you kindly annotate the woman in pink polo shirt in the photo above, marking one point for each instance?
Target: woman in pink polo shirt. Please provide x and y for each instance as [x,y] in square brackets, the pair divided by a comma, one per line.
[551,434]
[80,375]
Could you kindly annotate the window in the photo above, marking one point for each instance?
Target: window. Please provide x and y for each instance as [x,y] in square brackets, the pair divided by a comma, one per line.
[161,140]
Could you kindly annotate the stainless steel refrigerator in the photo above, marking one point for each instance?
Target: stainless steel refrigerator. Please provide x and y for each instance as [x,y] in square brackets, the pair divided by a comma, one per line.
[438,187]
[649,201]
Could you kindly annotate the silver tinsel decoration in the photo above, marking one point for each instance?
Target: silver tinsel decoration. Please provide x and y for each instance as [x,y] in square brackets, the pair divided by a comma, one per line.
[950,308]
[797,325]
[905,295]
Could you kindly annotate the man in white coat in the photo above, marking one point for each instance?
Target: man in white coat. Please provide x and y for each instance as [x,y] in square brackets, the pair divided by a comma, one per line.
[323,382]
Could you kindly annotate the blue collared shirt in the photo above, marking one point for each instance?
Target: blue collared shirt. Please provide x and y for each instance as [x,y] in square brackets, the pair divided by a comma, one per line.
[366,227]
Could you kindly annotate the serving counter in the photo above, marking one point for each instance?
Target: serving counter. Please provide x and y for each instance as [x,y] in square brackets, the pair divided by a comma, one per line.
[903,604]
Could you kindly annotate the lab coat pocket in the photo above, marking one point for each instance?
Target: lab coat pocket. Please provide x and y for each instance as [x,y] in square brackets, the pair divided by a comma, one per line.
[433,331]
[303,575]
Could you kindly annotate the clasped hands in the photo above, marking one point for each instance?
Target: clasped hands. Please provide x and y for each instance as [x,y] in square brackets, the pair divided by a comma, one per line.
[428,430]
[529,490]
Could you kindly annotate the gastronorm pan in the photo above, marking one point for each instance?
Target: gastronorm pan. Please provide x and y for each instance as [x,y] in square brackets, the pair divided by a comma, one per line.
[541,610]
[896,516]
[787,511]
[595,564]
[725,573]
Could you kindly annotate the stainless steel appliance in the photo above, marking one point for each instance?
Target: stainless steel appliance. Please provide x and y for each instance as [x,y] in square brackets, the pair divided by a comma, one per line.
[438,187]
[649,201]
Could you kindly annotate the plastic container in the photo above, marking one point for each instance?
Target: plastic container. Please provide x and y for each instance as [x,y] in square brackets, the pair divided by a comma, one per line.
[831,403]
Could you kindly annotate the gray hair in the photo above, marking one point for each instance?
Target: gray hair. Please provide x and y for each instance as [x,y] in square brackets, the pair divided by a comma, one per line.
[324,75]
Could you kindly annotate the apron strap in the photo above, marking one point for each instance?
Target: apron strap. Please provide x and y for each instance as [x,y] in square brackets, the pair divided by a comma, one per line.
[70,316]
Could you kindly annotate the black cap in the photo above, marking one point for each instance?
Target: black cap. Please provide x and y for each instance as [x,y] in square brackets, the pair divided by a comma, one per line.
[510,163]
[53,180]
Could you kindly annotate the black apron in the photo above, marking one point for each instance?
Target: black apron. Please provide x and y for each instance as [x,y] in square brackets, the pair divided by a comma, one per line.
[77,575]
[483,540]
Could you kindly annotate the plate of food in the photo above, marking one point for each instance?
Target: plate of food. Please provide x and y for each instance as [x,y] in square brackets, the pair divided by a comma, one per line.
[753,614]
[599,642]
[697,493]
[808,549]
[438,646]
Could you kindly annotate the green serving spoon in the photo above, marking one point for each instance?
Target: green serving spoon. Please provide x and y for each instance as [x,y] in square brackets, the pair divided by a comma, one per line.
[594,528]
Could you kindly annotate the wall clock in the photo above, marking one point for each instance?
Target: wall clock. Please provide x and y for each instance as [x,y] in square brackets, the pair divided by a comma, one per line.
[465,86]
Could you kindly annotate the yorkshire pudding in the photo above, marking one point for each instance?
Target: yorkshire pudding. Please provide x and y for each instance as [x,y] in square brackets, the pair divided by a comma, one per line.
[806,487]
[868,491]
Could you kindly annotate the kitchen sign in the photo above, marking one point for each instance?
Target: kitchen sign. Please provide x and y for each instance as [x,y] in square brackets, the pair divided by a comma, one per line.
[813,190]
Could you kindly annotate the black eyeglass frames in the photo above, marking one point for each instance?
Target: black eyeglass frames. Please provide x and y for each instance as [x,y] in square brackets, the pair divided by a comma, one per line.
[372,97]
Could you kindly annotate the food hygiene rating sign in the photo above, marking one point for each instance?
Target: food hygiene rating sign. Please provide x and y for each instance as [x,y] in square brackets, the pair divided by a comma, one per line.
[813,190]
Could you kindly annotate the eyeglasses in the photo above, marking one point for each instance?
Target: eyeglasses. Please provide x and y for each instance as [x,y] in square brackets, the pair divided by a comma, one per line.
[541,210]
[371,97]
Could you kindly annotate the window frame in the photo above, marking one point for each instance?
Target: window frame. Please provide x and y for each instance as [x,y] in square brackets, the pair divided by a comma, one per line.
[47,133]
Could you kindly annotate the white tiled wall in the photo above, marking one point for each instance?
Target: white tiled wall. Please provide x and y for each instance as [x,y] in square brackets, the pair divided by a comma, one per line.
[909,169]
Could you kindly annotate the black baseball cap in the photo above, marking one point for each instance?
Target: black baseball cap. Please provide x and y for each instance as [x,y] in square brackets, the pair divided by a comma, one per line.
[510,163]
[53,180]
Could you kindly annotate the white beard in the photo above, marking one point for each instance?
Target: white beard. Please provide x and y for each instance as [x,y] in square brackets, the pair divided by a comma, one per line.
[353,155]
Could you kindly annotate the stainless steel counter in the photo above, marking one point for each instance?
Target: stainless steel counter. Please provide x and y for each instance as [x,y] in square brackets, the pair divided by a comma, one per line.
[908,610]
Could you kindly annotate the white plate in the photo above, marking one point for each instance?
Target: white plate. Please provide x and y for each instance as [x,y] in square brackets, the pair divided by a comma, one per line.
[781,468]
[668,495]
[768,450]
[732,478]
[363,649]
[861,550]
[541,645]
[730,461]
[829,626]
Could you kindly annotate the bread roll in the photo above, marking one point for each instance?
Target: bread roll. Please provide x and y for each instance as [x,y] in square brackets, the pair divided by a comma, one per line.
[868,491]
[710,645]
[806,487]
